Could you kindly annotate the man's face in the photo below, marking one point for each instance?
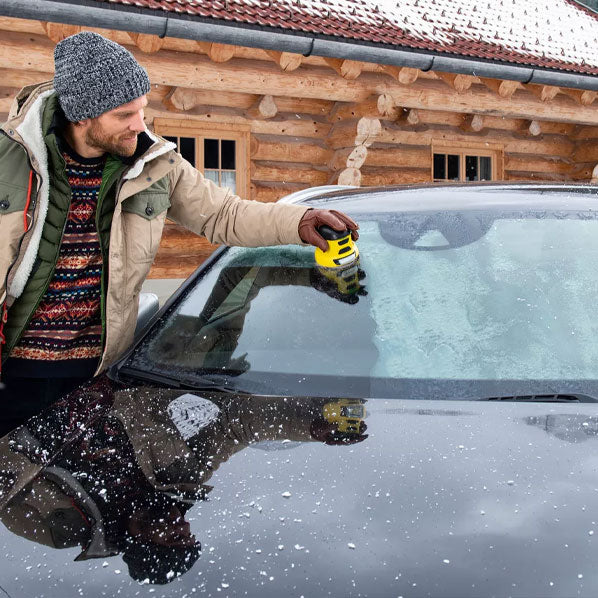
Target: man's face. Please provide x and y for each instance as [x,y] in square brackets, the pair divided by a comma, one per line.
[116,131]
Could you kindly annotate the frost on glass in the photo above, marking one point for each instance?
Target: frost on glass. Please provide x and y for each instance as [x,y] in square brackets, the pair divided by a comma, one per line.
[518,303]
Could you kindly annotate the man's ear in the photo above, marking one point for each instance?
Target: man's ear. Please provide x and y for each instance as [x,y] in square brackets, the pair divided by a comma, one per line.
[82,123]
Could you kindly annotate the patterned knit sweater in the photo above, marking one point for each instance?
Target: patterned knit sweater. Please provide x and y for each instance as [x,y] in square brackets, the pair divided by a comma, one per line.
[67,323]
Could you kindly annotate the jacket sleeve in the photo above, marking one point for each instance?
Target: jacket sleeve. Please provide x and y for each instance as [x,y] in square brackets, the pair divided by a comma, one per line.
[203,207]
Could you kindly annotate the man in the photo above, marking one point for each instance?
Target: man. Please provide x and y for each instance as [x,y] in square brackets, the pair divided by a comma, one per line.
[84,193]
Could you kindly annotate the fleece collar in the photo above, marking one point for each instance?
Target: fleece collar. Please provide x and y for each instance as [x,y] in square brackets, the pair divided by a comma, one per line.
[30,131]
[152,153]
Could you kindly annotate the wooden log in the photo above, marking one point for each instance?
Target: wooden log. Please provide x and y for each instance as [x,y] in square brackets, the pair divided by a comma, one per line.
[582,133]
[349,176]
[368,130]
[217,52]
[536,176]
[170,68]
[267,193]
[58,31]
[532,163]
[533,128]
[381,106]
[348,69]
[460,83]
[399,156]
[182,98]
[268,148]
[585,152]
[150,44]
[585,97]
[404,75]
[472,122]
[7,95]
[394,176]
[264,107]
[287,61]
[349,157]
[18,78]
[277,172]
[504,88]
[545,93]
[412,117]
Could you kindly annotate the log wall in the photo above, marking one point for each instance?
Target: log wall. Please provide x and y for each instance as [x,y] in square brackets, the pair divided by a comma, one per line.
[316,121]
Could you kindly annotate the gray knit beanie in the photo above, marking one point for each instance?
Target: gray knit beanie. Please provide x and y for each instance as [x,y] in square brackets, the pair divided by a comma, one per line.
[93,75]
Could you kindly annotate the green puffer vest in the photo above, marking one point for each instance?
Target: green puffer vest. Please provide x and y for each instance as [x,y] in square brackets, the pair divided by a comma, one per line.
[22,310]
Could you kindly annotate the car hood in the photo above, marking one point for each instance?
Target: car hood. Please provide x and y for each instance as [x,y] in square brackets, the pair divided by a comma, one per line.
[420,498]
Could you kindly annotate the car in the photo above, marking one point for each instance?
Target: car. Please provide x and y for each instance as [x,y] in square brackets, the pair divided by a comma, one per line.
[415,423]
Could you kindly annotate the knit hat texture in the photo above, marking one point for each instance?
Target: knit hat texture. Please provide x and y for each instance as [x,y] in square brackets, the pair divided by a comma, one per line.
[93,75]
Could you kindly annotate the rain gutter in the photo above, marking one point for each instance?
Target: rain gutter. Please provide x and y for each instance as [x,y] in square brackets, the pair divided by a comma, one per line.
[254,37]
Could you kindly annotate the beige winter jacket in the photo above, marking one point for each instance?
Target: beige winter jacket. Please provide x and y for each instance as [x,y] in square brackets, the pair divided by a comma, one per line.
[188,198]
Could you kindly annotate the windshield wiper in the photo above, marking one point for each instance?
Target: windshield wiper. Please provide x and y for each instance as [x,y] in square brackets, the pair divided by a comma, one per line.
[545,398]
[182,383]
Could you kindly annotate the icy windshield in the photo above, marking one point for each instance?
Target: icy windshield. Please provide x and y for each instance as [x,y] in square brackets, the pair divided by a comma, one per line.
[459,296]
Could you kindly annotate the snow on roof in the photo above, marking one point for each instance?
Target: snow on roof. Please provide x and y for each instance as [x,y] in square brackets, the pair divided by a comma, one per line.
[558,34]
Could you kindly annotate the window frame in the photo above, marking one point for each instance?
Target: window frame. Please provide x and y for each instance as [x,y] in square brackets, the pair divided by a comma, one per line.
[239,133]
[494,151]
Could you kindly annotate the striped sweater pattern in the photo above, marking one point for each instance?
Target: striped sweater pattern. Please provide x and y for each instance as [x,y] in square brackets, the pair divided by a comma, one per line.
[67,322]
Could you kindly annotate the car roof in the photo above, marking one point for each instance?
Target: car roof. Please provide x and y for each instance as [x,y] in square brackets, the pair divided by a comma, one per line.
[442,196]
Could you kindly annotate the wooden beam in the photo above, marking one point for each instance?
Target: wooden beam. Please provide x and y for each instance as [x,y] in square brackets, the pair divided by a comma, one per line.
[581,96]
[269,192]
[550,145]
[19,78]
[585,152]
[545,93]
[381,106]
[411,117]
[288,150]
[181,99]
[394,176]
[368,130]
[287,61]
[460,83]
[217,52]
[348,69]
[264,107]
[349,157]
[472,122]
[58,31]
[288,172]
[349,176]
[531,127]
[150,44]
[520,163]
[170,68]
[403,75]
[399,156]
[503,88]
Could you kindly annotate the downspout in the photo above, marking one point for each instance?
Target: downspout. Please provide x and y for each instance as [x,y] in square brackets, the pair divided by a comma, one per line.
[162,26]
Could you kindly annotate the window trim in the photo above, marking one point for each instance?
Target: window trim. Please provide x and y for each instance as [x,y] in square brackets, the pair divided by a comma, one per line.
[469,148]
[240,133]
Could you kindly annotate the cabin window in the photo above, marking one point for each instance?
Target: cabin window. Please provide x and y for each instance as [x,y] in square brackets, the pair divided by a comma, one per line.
[465,164]
[219,152]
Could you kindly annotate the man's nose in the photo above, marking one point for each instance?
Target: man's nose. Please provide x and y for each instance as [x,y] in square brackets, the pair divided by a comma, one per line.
[138,124]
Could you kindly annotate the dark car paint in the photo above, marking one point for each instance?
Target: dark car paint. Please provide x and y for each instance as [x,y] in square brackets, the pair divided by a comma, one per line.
[437,499]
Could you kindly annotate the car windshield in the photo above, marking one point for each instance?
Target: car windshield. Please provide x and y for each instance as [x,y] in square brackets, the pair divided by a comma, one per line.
[438,301]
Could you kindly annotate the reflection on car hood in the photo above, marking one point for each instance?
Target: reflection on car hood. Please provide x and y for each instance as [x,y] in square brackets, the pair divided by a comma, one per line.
[345,498]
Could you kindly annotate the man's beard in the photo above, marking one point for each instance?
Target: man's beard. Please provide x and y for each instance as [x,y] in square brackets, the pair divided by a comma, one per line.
[112,144]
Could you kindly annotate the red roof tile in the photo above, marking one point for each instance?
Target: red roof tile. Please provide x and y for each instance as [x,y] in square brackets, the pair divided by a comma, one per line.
[556,34]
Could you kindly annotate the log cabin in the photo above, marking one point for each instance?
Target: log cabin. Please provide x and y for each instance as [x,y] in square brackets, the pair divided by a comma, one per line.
[268,97]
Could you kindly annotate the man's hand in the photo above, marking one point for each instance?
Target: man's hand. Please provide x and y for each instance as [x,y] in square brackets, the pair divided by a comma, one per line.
[312,219]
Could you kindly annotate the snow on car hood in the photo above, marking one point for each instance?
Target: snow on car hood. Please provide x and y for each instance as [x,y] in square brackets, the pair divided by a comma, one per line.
[427,498]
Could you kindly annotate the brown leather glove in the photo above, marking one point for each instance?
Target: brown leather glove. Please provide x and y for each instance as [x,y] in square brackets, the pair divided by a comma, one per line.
[312,219]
